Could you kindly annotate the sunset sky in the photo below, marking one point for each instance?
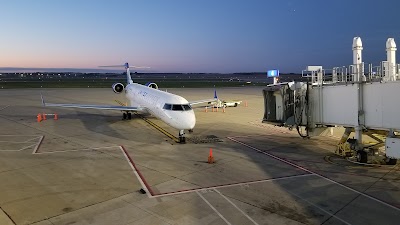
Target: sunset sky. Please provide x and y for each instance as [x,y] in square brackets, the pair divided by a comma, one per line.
[194,36]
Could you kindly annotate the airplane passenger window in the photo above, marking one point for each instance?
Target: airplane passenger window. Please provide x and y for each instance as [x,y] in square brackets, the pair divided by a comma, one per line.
[167,106]
[177,108]
[187,107]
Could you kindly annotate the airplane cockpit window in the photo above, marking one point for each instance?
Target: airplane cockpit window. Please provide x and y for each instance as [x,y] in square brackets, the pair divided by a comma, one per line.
[177,107]
[187,107]
[167,106]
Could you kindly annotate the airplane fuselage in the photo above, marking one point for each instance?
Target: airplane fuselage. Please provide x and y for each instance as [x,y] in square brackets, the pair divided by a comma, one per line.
[172,109]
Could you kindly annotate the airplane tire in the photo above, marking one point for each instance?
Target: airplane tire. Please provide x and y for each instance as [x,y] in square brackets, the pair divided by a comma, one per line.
[236,104]
[124,116]
[129,116]
[362,156]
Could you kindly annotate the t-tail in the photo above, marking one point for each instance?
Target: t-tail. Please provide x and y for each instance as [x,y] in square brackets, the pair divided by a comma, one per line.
[128,74]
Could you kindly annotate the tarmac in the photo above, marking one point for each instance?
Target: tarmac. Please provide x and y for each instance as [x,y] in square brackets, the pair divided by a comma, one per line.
[92,167]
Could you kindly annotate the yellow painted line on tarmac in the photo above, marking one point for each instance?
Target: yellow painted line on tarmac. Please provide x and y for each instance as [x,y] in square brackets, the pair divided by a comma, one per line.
[162,130]
[119,102]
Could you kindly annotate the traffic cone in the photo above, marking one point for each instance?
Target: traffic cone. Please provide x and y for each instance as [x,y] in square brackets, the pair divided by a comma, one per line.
[210,157]
[55,116]
[39,117]
[44,116]
[245,104]
[206,109]
[223,109]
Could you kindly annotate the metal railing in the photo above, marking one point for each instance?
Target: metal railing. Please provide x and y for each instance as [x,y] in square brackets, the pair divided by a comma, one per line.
[353,73]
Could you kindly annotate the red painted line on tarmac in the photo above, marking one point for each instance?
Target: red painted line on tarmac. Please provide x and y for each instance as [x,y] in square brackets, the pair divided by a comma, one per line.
[138,171]
[38,146]
[229,184]
[271,155]
[9,217]
[200,188]
[320,175]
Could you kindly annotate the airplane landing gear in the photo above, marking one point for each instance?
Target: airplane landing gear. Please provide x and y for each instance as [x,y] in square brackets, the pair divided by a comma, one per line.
[190,131]
[127,116]
[182,138]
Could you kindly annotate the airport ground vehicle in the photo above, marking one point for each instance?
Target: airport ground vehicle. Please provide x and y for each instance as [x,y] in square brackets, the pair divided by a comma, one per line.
[226,103]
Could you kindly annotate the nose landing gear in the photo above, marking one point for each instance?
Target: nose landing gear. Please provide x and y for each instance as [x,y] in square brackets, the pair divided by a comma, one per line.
[182,138]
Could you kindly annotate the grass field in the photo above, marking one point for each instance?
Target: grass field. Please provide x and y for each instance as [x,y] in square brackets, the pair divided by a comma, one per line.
[103,83]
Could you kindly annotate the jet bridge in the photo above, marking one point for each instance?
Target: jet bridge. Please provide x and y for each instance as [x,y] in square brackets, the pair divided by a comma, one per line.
[362,98]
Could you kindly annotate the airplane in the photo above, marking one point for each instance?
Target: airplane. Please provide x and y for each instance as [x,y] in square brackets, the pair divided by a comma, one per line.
[172,109]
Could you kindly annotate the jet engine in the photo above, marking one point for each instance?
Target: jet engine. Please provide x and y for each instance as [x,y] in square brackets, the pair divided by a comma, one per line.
[152,85]
[118,87]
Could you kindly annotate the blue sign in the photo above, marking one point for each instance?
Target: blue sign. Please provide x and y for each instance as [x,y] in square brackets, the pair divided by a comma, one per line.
[273,73]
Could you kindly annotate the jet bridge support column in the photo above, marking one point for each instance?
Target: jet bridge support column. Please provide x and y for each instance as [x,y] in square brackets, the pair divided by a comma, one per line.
[358,73]
[391,60]
[357,59]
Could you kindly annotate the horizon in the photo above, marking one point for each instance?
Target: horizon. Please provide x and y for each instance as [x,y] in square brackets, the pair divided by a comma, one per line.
[194,37]
[98,70]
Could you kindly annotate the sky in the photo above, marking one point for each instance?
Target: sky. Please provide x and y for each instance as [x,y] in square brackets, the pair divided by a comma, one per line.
[211,36]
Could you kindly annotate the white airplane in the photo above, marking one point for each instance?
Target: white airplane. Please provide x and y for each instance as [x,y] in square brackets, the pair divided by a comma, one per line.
[172,109]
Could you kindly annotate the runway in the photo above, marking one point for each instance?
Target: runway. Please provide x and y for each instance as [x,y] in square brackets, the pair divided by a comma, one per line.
[88,167]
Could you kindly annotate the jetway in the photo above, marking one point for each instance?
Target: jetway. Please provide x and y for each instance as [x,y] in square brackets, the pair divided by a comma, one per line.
[362,98]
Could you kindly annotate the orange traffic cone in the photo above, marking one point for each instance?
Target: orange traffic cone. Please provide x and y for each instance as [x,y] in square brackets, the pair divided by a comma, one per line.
[206,109]
[55,116]
[223,109]
[245,104]
[44,116]
[210,157]
[39,117]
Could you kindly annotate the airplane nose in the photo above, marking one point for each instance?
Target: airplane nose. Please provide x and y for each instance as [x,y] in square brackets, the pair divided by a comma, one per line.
[190,121]
[185,121]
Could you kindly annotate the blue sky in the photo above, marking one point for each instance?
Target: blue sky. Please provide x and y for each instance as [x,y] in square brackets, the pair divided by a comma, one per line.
[195,36]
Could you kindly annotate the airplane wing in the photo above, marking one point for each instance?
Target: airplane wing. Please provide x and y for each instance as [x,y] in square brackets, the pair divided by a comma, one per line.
[109,107]
[203,101]
[81,106]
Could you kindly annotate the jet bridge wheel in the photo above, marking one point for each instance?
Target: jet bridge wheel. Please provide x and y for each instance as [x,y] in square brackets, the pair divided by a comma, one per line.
[390,161]
[362,156]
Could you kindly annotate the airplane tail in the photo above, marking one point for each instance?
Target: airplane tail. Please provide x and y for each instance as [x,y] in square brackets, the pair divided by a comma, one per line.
[128,72]
[215,94]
